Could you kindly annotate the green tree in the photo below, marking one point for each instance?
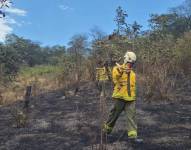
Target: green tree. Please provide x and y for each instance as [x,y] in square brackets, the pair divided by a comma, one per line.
[136,28]
[30,52]
[176,22]
[120,19]
[77,51]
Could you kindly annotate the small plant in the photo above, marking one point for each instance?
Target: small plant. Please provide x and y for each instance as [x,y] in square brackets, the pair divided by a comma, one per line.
[20,118]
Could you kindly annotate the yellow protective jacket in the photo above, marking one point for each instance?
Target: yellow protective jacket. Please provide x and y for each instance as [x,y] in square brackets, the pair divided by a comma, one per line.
[124,84]
[103,74]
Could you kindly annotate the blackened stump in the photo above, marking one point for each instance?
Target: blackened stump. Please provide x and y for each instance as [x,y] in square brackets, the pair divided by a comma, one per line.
[27,96]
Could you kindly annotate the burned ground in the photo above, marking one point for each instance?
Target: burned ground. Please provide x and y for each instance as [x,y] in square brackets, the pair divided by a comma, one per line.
[59,123]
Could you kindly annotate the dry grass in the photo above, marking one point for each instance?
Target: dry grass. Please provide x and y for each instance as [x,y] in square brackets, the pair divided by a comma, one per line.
[41,79]
[157,84]
[40,84]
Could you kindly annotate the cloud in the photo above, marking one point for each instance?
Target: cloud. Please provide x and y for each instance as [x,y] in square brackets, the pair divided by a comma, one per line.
[65,7]
[12,21]
[4,30]
[7,22]
[16,11]
[26,23]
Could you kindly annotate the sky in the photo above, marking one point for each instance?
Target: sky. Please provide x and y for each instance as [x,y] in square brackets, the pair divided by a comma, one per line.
[53,22]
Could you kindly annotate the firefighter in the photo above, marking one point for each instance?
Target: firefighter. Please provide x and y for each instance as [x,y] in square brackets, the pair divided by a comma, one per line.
[124,94]
[103,76]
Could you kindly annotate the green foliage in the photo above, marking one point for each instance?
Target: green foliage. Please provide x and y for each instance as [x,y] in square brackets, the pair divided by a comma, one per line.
[77,51]
[40,70]
[18,52]
[120,19]
[29,52]
[136,29]
[176,22]
[170,24]
[184,9]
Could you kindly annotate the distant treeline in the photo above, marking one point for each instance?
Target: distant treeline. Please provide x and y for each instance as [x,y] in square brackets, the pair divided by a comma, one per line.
[163,51]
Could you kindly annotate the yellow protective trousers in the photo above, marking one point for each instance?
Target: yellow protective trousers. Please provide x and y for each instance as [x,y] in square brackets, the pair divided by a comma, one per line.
[129,108]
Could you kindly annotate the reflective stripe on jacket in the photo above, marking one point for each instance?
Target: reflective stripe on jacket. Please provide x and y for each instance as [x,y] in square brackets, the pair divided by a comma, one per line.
[124,84]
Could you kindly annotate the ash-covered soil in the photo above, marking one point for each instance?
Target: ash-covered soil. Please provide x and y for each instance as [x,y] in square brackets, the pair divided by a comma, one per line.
[73,123]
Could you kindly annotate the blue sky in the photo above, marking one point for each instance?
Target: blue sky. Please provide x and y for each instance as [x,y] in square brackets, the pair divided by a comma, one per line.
[52,22]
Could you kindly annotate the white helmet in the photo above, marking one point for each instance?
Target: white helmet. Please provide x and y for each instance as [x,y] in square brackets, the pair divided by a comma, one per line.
[130,57]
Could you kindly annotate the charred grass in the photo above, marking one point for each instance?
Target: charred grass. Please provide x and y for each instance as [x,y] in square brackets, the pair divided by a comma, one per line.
[73,122]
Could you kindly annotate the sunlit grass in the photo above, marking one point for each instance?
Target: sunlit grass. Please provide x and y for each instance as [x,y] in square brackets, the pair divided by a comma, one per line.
[41,78]
[40,70]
